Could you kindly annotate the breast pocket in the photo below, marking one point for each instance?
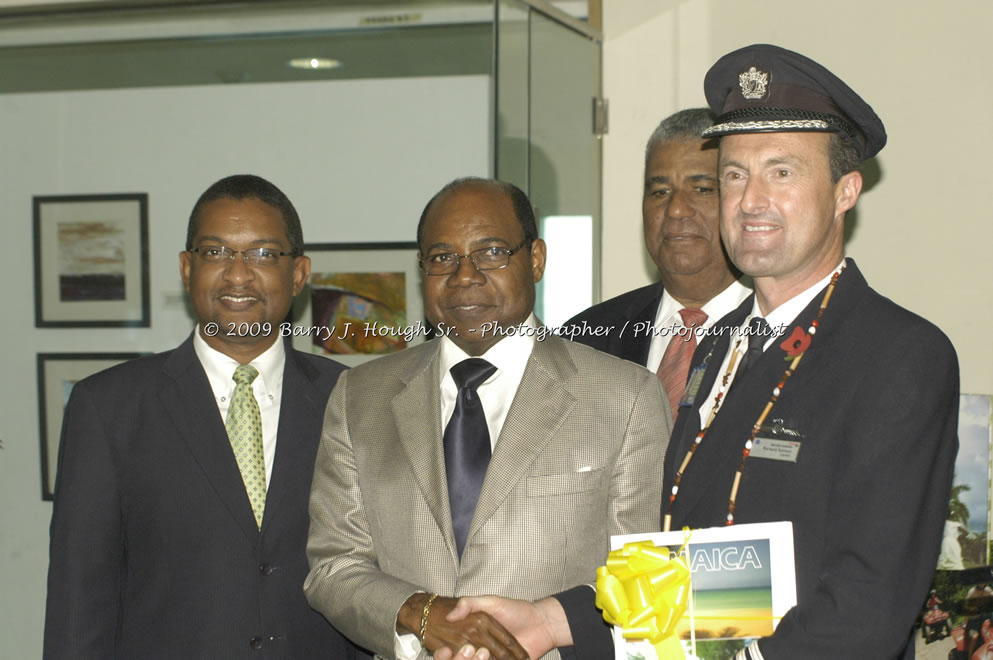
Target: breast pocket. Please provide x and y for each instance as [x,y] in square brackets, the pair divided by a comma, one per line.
[567,520]
[567,483]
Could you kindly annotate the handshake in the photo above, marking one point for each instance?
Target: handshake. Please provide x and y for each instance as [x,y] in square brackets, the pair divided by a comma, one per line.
[484,627]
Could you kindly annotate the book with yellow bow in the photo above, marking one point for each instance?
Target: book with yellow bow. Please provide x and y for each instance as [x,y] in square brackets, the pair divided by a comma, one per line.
[696,594]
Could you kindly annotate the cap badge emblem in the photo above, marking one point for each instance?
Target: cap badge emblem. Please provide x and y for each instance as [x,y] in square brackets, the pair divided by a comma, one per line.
[753,83]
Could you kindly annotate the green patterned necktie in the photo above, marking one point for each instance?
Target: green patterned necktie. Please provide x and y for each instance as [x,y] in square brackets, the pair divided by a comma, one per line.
[244,425]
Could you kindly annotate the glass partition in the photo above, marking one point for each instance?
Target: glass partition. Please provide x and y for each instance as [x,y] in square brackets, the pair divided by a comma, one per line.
[359,111]
[548,75]
[515,87]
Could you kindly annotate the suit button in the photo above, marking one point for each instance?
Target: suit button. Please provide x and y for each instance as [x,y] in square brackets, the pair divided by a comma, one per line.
[265,568]
[255,642]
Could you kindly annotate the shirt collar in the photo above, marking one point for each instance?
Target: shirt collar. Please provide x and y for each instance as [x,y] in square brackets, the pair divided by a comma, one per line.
[220,367]
[783,316]
[716,307]
[509,355]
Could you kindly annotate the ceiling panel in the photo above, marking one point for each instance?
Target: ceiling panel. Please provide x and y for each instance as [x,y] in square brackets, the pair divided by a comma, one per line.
[368,53]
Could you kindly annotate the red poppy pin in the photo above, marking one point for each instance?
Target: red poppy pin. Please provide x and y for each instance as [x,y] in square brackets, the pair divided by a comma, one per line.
[796,343]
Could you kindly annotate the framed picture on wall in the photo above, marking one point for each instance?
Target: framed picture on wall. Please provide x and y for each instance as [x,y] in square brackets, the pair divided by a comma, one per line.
[91,261]
[57,374]
[959,605]
[966,541]
[363,300]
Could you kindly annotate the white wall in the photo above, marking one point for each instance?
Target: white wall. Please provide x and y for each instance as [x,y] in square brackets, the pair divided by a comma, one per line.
[923,234]
[358,159]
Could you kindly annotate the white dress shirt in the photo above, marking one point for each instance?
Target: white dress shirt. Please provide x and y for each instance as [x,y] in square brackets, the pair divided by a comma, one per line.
[510,356]
[669,322]
[778,319]
[267,386]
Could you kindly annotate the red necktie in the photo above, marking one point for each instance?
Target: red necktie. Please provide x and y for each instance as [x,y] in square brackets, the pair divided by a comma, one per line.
[675,365]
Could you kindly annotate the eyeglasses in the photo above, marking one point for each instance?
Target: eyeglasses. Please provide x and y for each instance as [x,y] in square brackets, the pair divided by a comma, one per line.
[487,258]
[222,254]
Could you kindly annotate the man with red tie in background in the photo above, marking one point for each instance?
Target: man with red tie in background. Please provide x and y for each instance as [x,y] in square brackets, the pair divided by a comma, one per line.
[657,325]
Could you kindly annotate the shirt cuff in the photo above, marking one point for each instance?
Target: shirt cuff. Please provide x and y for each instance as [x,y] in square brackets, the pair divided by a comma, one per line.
[750,652]
[406,646]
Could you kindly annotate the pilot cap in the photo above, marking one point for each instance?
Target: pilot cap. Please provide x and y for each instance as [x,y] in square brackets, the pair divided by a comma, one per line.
[768,89]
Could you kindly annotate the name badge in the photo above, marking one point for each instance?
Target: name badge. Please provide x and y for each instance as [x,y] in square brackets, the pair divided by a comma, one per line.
[775,449]
[693,385]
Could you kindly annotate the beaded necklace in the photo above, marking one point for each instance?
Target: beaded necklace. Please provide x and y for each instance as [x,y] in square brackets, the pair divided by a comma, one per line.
[718,400]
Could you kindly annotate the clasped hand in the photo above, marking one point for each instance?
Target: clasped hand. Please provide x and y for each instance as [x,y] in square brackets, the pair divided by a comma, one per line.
[475,634]
[537,627]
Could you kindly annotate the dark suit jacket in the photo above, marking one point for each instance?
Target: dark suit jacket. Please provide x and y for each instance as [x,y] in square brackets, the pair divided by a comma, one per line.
[154,549]
[876,401]
[621,314]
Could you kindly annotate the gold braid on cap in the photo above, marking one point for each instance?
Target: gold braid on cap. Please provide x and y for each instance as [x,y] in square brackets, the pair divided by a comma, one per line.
[743,118]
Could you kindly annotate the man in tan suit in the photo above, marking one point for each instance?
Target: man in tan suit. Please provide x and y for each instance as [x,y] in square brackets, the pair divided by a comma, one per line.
[402,523]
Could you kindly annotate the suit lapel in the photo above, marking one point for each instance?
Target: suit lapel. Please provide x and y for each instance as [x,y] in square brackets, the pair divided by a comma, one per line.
[189,401]
[300,412]
[712,349]
[538,410]
[634,346]
[688,424]
[420,399]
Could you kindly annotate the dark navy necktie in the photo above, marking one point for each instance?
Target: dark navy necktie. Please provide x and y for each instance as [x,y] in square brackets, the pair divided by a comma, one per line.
[758,333]
[467,445]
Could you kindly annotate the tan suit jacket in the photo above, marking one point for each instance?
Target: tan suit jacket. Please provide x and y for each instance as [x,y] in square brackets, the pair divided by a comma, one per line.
[579,458]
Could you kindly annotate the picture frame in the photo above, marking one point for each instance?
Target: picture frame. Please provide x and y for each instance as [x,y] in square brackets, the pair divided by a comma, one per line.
[57,374]
[363,300]
[91,261]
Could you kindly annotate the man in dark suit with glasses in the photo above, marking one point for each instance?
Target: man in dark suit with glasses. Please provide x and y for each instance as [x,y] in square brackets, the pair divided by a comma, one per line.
[180,514]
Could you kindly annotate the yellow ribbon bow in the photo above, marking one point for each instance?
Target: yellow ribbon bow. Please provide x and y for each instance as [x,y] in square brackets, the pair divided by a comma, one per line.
[645,592]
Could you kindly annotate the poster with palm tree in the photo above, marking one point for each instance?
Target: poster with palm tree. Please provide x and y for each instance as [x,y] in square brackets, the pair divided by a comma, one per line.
[967,531]
[957,616]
